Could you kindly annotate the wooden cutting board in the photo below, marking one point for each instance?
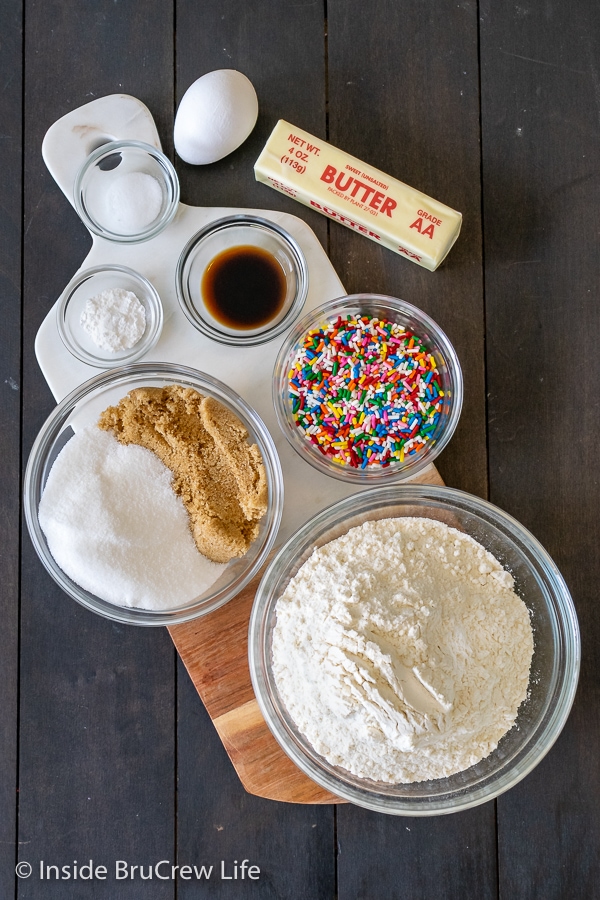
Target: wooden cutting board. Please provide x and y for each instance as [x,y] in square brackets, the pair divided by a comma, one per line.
[214,650]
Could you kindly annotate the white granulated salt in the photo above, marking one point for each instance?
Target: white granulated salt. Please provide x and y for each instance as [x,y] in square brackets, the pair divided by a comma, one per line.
[401,650]
[115,526]
[133,201]
[114,319]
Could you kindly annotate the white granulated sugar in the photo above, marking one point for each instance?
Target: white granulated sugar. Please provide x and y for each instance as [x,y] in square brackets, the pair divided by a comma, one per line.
[134,201]
[401,651]
[115,526]
[114,319]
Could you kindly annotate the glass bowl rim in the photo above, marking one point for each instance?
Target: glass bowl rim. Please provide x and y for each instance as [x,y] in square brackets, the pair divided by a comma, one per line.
[102,362]
[532,751]
[52,427]
[389,474]
[112,147]
[222,224]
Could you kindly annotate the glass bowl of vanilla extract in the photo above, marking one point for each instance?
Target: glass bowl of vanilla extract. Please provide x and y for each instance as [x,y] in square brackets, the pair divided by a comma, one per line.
[242,280]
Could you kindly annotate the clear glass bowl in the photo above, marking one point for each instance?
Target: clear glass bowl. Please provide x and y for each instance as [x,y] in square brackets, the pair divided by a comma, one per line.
[88,284]
[555,664]
[97,188]
[83,407]
[409,317]
[240,232]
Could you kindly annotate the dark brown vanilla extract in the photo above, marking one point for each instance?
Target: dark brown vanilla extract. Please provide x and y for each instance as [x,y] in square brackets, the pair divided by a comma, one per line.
[244,287]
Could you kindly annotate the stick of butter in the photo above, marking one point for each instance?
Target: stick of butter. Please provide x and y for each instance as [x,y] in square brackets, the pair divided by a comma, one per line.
[357,195]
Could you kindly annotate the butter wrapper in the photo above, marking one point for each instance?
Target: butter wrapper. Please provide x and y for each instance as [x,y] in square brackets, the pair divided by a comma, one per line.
[357,195]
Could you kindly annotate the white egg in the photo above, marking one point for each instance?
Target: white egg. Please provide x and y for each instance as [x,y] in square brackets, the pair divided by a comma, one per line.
[215,116]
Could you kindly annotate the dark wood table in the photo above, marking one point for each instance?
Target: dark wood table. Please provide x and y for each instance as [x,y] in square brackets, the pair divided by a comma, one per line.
[106,751]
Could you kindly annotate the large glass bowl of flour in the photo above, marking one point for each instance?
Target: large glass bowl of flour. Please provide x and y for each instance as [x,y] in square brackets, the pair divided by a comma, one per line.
[82,408]
[554,666]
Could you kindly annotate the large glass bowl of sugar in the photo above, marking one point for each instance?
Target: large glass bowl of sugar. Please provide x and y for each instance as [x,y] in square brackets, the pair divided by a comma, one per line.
[82,408]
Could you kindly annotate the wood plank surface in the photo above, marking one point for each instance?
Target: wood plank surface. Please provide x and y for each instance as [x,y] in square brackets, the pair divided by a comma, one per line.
[408,103]
[281,48]
[541,159]
[491,108]
[11,146]
[403,96]
[97,699]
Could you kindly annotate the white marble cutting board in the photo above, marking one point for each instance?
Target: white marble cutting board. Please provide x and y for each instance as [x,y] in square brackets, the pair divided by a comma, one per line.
[248,370]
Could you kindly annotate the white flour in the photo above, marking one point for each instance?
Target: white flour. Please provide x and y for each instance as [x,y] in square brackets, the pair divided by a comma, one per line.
[116,527]
[401,651]
[114,319]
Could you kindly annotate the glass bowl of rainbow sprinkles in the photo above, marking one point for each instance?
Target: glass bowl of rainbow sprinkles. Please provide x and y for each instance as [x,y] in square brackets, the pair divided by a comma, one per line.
[367,387]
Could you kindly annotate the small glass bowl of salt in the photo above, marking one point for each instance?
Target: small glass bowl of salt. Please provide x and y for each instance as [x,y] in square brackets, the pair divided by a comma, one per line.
[126,191]
[109,316]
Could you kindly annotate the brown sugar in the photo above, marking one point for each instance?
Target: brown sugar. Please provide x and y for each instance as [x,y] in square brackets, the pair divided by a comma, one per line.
[219,476]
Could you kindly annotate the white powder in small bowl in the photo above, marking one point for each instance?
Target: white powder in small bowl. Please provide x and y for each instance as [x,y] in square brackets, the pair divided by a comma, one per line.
[114,319]
[134,201]
[115,526]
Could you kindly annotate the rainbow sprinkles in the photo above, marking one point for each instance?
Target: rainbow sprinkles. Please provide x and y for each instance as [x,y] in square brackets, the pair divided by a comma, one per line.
[366,391]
